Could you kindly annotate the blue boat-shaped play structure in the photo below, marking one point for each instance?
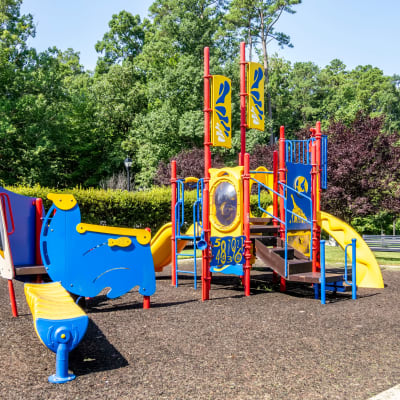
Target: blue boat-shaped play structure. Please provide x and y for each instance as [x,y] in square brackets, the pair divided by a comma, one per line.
[88,258]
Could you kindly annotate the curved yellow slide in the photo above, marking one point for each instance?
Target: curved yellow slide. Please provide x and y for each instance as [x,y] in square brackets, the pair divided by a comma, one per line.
[161,246]
[368,270]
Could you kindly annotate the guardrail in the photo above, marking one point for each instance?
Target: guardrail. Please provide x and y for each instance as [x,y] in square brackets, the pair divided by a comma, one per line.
[389,243]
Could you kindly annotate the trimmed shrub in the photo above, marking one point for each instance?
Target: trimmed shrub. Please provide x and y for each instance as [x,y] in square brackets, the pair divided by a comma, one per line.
[142,209]
[150,208]
[188,163]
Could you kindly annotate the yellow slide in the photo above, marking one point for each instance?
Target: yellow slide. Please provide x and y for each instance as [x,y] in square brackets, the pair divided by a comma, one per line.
[161,246]
[368,270]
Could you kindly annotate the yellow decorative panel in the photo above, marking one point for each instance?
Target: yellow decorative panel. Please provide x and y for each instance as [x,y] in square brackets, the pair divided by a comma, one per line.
[221,119]
[255,100]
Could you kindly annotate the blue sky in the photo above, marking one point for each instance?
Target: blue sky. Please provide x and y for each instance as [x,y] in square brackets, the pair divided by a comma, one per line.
[358,32]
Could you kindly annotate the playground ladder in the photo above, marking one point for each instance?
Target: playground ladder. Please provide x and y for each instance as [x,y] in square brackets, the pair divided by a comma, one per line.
[197,233]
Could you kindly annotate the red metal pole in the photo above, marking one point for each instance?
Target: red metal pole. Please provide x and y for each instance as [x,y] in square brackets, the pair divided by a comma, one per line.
[275,201]
[12,298]
[206,275]
[314,208]
[173,222]
[275,196]
[146,302]
[243,95]
[318,190]
[282,179]
[246,223]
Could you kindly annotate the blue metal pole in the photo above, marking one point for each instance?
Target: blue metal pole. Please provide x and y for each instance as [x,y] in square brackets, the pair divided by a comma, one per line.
[322,279]
[286,244]
[354,269]
[316,290]
[61,375]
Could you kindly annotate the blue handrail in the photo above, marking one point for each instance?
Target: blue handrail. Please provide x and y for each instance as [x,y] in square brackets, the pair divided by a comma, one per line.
[284,197]
[324,161]
[353,282]
[299,152]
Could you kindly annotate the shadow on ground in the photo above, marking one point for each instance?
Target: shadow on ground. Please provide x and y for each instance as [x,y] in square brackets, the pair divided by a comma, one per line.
[95,353]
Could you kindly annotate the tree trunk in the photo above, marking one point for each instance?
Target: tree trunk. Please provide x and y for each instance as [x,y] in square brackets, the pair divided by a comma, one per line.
[250,41]
[266,74]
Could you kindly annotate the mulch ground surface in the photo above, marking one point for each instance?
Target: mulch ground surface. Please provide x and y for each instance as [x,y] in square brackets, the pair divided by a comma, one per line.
[270,345]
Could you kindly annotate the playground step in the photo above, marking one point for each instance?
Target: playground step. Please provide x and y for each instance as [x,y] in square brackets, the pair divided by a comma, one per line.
[270,259]
[297,254]
[299,266]
[277,263]
[260,220]
[314,277]
[264,229]
[281,252]
[266,240]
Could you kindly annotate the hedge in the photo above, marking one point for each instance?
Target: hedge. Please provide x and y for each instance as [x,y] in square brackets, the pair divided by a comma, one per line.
[150,208]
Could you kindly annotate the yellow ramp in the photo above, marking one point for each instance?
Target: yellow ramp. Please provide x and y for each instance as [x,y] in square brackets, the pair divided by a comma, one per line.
[161,246]
[368,270]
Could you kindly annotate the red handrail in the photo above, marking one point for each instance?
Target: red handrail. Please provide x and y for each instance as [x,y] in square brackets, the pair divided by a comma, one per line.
[3,204]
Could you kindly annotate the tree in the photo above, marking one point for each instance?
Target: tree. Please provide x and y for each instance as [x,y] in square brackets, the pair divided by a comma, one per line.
[15,29]
[302,93]
[124,40]
[242,14]
[44,128]
[258,18]
[15,59]
[172,57]
[118,97]
[363,169]
[365,88]
[188,163]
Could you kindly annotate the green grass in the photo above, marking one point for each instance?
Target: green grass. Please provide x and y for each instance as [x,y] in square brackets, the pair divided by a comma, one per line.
[387,258]
[189,254]
[334,256]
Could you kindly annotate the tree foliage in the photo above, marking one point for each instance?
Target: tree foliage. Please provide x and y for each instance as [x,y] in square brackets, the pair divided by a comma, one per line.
[62,126]
[188,163]
[363,169]
[256,21]
[172,57]
[303,93]
[124,40]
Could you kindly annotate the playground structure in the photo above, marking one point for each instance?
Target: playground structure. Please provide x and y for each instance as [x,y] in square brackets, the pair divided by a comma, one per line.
[85,259]
[288,237]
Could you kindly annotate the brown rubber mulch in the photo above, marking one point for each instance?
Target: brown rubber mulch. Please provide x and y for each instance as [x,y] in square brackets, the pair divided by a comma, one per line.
[267,346]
